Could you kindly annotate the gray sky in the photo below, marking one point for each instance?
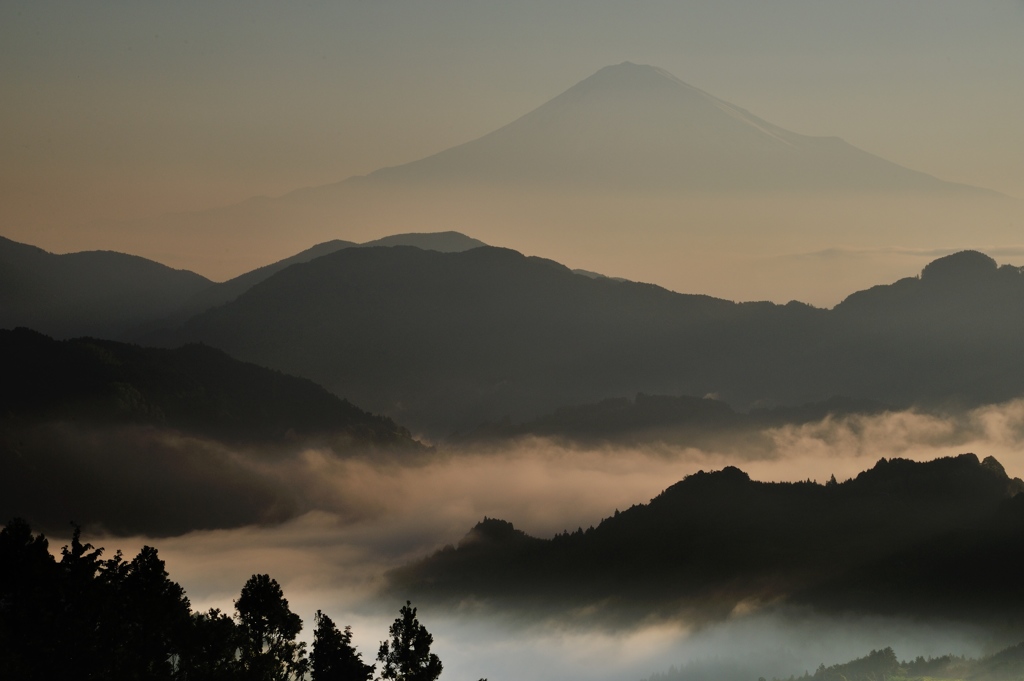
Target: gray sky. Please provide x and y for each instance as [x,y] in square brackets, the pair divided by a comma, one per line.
[125,109]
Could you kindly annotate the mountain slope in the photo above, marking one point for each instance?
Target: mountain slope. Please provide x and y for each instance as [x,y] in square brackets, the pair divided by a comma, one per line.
[638,126]
[715,540]
[99,293]
[444,341]
[218,294]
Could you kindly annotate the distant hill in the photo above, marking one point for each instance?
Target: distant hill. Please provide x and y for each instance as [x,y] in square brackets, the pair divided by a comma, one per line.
[134,439]
[717,539]
[449,341]
[95,293]
[113,295]
[218,294]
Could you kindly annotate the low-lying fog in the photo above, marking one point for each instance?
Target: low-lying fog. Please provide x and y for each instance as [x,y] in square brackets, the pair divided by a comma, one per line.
[368,516]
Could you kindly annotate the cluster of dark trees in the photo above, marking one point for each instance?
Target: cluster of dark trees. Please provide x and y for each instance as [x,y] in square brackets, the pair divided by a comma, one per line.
[878,665]
[87,617]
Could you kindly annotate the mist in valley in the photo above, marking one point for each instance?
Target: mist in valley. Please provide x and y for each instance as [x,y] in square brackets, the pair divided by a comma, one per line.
[352,519]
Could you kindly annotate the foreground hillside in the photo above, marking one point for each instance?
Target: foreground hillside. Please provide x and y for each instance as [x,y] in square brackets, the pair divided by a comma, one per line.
[446,341]
[938,539]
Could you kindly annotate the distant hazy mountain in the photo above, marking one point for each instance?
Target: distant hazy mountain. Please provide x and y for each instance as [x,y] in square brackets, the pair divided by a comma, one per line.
[99,293]
[114,295]
[218,294]
[444,341]
[442,242]
[149,440]
[639,127]
[715,540]
[615,174]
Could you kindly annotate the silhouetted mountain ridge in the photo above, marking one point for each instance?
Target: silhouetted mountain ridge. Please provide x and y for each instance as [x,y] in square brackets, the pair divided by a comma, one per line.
[218,294]
[716,539]
[100,293]
[105,294]
[448,341]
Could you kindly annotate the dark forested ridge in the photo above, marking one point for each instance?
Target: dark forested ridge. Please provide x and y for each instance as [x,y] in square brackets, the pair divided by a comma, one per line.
[448,341]
[160,441]
[195,389]
[94,293]
[939,538]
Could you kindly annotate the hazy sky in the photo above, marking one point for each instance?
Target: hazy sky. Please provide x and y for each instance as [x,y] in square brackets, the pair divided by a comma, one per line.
[127,109]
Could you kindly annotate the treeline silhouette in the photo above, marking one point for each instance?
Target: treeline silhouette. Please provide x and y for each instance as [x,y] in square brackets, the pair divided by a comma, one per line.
[88,617]
[942,538]
[880,665]
[883,665]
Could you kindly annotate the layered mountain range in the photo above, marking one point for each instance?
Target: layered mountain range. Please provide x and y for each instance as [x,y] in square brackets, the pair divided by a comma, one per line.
[446,341]
[456,336]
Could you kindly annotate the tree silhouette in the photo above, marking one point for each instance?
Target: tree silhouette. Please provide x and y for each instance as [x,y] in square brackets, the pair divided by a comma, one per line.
[210,649]
[145,619]
[407,657]
[29,646]
[268,629]
[333,657]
